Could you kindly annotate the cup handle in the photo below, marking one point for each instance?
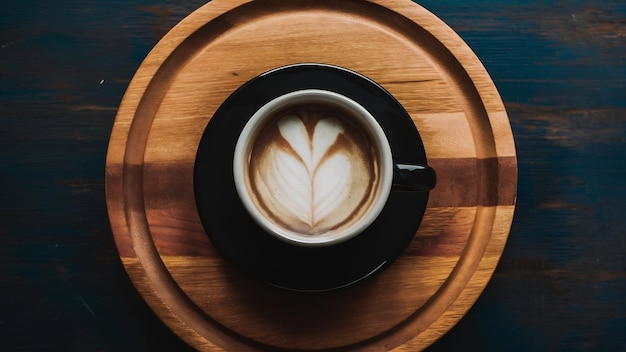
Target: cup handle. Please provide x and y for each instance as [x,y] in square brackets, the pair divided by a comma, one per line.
[417,178]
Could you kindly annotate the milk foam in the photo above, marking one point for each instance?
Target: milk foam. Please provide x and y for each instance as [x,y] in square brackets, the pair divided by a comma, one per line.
[314,174]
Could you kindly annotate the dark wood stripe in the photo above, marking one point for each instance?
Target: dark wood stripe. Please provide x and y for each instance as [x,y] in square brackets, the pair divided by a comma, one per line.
[115,207]
[459,182]
[176,228]
[507,180]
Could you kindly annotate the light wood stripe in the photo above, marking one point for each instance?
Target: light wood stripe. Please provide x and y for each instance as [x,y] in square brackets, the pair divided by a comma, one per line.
[302,321]
[505,144]
[445,136]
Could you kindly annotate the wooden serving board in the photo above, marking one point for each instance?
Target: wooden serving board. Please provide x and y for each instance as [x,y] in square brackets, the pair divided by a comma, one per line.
[401,46]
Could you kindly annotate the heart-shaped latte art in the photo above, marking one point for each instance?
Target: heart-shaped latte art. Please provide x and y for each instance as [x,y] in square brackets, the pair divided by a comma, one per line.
[312,179]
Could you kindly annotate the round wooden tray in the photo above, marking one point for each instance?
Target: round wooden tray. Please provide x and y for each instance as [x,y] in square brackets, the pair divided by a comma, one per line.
[401,46]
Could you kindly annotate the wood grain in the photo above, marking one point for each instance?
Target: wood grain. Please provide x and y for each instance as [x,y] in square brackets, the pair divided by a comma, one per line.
[215,50]
[559,67]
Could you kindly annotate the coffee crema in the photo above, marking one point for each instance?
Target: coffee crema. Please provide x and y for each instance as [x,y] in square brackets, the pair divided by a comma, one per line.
[313,169]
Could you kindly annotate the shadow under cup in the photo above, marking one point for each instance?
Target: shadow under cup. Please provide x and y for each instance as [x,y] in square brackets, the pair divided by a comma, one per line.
[311,177]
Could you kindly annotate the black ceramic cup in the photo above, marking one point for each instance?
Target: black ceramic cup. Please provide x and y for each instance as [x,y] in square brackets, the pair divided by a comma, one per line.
[290,135]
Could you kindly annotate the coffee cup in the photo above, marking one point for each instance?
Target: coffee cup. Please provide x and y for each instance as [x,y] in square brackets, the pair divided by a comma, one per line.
[314,168]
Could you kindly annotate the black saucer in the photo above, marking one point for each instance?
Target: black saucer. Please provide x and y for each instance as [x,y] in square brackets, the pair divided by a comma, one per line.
[248,247]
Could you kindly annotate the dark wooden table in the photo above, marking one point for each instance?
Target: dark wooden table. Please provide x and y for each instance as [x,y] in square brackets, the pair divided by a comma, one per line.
[560,68]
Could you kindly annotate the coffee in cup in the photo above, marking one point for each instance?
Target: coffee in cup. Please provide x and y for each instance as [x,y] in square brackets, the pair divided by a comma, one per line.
[313,167]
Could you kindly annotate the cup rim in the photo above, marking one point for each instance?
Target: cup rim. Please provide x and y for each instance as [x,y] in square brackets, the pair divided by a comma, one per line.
[250,132]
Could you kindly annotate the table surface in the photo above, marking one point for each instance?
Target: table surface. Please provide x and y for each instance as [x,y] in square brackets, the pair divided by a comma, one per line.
[560,67]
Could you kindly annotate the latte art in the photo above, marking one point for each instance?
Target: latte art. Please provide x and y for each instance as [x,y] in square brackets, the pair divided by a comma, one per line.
[313,168]
[312,171]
